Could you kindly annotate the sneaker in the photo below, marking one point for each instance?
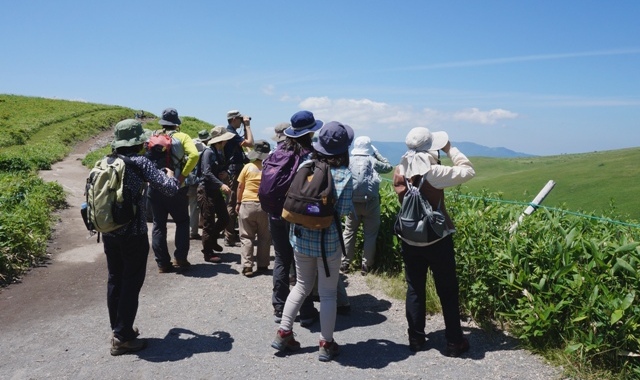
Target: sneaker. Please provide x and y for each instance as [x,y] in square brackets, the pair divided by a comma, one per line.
[212,258]
[285,341]
[309,320]
[416,343]
[247,271]
[454,350]
[133,345]
[195,237]
[277,316]
[328,350]
[166,268]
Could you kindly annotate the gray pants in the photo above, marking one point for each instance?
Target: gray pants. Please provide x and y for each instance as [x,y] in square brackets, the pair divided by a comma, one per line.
[367,214]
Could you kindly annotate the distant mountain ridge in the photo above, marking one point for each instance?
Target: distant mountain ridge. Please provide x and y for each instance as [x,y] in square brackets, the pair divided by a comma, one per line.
[394,150]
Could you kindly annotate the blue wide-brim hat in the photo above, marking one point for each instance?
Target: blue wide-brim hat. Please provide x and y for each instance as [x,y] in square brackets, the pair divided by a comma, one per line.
[303,122]
[170,117]
[334,138]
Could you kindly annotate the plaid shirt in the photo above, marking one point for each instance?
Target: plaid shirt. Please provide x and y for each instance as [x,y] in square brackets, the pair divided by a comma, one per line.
[308,241]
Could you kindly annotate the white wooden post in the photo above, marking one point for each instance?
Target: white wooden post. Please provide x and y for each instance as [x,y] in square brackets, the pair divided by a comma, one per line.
[534,204]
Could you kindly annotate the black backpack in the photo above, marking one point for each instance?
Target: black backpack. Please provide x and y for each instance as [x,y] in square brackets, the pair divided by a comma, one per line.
[417,221]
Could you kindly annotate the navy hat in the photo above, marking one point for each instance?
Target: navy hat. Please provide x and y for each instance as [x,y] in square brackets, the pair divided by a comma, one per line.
[170,117]
[334,138]
[302,122]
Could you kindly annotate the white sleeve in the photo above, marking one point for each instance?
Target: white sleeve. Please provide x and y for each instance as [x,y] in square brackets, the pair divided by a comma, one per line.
[441,176]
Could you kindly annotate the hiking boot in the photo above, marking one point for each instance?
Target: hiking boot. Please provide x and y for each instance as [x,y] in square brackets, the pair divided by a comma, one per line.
[247,271]
[285,341]
[309,320]
[277,316]
[166,268]
[328,350]
[416,343]
[454,350]
[182,264]
[133,345]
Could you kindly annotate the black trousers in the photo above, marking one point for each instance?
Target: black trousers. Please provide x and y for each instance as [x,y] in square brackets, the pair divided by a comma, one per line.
[279,229]
[440,257]
[214,216]
[127,265]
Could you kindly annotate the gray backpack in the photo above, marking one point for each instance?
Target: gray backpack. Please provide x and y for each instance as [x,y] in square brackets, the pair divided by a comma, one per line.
[366,180]
[417,221]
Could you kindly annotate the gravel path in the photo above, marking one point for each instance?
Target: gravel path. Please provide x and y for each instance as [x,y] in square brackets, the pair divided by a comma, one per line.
[212,322]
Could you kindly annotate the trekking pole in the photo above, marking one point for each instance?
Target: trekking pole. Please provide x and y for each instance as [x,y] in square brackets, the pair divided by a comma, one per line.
[533,206]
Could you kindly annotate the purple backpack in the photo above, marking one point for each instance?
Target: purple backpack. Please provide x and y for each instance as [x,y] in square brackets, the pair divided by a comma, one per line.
[278,170]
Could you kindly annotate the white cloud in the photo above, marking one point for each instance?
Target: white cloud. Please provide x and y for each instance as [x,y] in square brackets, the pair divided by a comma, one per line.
[474,115]
[366,114]
[269,89]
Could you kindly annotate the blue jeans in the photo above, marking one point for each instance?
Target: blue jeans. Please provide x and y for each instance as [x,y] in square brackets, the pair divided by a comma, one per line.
[279,229]
[178,207]
[127,265]
[440,257]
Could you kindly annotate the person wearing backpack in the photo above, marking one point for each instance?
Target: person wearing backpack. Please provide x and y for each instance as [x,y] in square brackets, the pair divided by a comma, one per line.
[318,252]
[423,160]
[127,248]
[178,205]
[234,152]
[212,169]
[278,170]
[365,163]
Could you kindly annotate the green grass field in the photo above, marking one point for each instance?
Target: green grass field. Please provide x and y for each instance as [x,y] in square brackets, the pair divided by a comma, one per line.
[604,183]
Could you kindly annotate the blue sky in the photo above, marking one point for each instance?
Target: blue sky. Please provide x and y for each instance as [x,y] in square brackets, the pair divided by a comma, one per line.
[540,77]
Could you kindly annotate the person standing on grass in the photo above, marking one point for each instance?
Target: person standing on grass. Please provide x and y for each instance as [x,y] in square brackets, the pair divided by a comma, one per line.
[177,206]
[423,160]
[365,163]
[213,171]
[127,248]
[253,222]
[234,152]
[333,149]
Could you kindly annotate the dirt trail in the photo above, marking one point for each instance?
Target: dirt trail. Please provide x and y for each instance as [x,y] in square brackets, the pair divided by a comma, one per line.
[211,322]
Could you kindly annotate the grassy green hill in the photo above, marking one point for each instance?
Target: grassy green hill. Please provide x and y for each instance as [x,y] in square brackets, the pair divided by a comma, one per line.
[605,183]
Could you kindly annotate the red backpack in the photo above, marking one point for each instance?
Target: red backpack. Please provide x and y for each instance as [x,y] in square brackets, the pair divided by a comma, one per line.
[165,151]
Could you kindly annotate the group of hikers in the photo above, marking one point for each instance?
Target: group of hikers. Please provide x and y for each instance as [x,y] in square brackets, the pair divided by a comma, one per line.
[222,182]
